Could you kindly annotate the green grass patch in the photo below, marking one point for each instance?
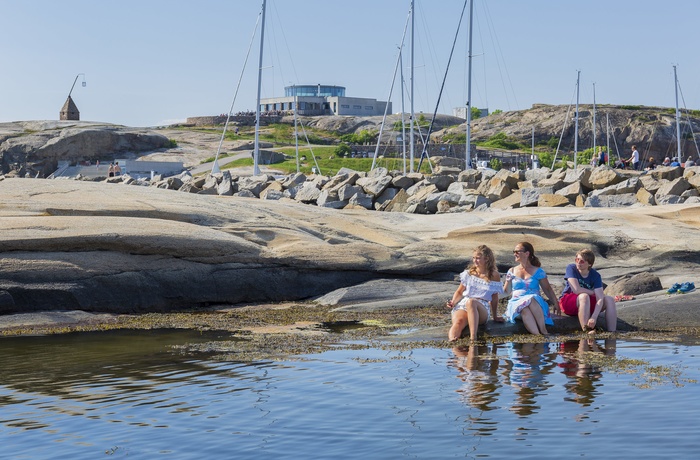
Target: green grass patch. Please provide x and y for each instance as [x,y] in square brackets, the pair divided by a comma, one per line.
[330,166]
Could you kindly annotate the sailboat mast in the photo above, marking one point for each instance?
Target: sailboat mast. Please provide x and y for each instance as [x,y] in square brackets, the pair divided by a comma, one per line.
[532,154]
[607,135]
[413,24]
[403,109]
[578,78]
[468,159]
[678,117]
[594,151]
[296,127]
[256,151]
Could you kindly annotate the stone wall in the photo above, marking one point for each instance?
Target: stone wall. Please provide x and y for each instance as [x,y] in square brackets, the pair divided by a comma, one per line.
[242,120]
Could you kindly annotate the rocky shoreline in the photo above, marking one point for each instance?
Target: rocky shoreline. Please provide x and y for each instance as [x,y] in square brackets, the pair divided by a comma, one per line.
[114,249]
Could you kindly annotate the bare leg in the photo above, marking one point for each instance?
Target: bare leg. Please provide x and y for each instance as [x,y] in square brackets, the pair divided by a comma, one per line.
[610,313]
[459,322]
[473,316]
[529,321]
[584,310]
[538,314]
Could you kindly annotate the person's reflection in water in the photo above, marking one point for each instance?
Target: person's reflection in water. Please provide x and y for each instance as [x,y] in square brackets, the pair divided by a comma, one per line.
[580,368]
[478,369]
[526,370]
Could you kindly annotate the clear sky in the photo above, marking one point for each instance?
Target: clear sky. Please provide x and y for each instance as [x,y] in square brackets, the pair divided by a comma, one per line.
[152,62]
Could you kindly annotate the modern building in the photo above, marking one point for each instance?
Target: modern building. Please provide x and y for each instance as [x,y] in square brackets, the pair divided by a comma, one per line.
[320,99]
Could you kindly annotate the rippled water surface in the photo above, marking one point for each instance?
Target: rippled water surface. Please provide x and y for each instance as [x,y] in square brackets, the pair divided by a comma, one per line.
[131,394]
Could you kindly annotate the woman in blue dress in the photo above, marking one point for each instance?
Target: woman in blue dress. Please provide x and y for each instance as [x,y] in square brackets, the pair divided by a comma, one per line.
[524,282]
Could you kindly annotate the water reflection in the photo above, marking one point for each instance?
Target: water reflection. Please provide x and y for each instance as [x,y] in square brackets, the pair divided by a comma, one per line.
[478,369]
[525,372]
[92,374]
[579,358]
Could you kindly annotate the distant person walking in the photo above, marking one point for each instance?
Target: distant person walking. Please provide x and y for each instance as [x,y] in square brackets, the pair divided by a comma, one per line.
[634,159]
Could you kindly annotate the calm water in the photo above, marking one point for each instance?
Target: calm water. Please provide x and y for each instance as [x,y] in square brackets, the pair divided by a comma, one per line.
[131,394]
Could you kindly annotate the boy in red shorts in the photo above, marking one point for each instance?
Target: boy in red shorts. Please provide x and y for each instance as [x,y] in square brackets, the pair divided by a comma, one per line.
[583,294]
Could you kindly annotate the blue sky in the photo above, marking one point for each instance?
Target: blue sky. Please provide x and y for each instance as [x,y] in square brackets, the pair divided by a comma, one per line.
[150,62]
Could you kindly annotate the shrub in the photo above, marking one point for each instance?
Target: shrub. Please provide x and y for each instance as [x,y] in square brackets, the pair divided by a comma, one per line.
[455,137]
[496,164]
[545,159]
[342,149]
[363,137]
[502,141]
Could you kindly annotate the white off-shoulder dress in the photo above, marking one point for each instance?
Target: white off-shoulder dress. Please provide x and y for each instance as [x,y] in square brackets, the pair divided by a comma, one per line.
[477,289]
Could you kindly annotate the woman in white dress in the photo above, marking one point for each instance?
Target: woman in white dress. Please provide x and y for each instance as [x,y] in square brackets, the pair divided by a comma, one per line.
[479,286]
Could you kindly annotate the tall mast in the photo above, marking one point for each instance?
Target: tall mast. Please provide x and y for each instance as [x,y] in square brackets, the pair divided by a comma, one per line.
[403,109]
[594,152]
[607,135]
[678,117]
[578,78]
[468,159]
[296,127]
[413,22]
[256,151]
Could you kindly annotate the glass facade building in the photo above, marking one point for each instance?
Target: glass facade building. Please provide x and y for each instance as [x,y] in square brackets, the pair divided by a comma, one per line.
[316,100]
[314,91]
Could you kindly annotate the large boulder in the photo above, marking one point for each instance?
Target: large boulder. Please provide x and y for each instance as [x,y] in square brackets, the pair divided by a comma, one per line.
[674,187]
[374,185]
[602,177]
[37,147]
[640,283]
[611,201]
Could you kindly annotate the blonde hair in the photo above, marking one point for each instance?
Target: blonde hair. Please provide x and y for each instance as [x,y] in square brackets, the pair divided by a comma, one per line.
[487,254]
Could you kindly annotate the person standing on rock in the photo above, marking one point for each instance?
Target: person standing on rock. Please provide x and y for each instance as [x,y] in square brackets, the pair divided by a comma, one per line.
[583,294]
[634,159]
[602,157]
[524,282]
[479,286]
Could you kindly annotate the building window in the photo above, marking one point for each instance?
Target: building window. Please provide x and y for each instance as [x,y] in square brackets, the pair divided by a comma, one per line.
[344,106]
[369,107]
[356,106]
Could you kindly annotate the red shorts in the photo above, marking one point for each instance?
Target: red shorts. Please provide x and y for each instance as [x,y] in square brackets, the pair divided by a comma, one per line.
[569,305]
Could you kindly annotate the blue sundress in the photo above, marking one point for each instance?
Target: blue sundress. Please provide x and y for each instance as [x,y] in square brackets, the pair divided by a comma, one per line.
[525,290]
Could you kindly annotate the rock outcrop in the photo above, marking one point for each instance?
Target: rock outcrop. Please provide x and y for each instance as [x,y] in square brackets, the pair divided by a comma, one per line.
[72,245]
[652,129]
[35,148]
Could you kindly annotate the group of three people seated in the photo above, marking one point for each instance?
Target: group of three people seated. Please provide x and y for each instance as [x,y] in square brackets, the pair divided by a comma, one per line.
[480,287]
